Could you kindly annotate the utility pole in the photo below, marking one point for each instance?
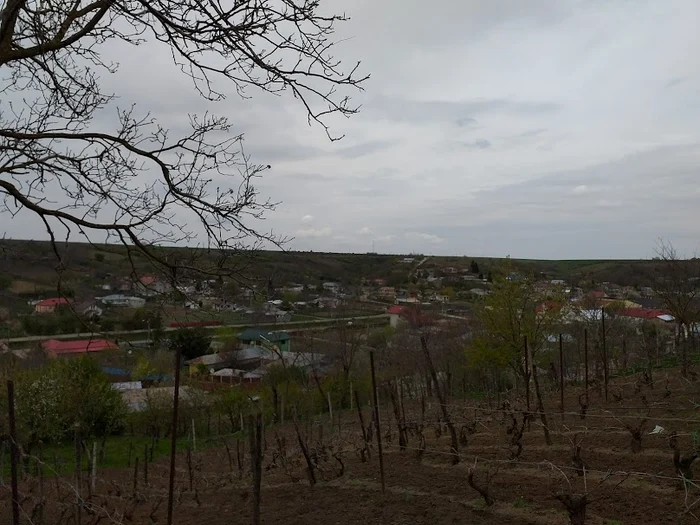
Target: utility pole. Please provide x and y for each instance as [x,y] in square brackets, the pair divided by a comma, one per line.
[561,376]
[605,355]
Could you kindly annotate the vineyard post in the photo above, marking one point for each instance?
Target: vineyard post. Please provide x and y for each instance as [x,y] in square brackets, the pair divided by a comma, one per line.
[194,437]
[2,463]
[605,355]
[282,409]
[78,476]
[256,431]
[173,436]
[527,374]
[136,476]
[330,406]
[561,376]
[585,359]
[40,476]
[145,465]
[93,474]
[13,450]
[376,419]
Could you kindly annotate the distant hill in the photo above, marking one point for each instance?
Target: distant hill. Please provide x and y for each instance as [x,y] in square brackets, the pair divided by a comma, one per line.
[31,268]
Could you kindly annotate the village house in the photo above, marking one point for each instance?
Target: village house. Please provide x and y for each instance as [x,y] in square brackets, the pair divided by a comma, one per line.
[89,309]
[326,302]
[151,285]
[211,362]
[66,349]
[126,301]
[660,317]
[387,292]
[48,306]
[395,313]
[263,337]
[331,287]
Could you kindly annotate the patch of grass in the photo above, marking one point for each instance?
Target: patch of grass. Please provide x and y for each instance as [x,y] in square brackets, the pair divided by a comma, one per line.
[479,504]
[520,503]
[21,287]
[119,452]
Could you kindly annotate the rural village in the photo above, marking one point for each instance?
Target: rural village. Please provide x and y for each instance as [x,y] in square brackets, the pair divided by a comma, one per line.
[354,263]
[465,347]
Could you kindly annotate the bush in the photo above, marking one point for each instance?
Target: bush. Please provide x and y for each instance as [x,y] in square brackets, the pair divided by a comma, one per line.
[65,396]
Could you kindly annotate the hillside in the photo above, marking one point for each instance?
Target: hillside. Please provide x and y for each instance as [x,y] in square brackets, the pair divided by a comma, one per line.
[30,267]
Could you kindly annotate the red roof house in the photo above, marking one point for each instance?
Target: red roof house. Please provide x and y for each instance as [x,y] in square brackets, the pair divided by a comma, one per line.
[411,314]
[547,306]
[55,348]
[50,305]
[642,313]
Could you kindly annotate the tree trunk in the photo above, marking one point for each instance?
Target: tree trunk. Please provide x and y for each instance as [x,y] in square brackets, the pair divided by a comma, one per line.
[395,403]
[540,405]
[454,447]
[684,351]
[275,405]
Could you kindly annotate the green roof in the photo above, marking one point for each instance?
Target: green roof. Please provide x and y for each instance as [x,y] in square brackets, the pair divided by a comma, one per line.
[261,334]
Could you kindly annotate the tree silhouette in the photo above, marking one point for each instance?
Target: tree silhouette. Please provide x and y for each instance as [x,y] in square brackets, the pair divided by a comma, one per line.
[474,267]
[139,183]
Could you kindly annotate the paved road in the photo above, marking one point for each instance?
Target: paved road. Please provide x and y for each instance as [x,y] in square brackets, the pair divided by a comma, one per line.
[418,265]
[291,325]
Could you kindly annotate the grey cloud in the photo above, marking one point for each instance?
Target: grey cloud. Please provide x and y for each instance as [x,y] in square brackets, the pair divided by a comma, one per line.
[364,148]
[529,133]
[586,165]
[477,144]
[414,111]
[465,122]
[676,81]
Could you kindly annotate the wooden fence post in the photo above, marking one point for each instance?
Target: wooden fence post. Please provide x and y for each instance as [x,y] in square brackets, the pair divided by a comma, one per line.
[561,377]
[585,359]
[605,355]
[14,449]
[376,420]
[256,431]
[173,437]
[78,475]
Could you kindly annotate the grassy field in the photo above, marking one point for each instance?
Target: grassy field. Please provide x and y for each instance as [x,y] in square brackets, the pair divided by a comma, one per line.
[119,452]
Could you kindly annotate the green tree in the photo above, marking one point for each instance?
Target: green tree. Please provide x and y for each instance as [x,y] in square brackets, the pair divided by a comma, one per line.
[67,396]
[448,292]
[516,310]
[474,267]
[289,297]
[157,365]
[192,342]
[99,257]
[281,380]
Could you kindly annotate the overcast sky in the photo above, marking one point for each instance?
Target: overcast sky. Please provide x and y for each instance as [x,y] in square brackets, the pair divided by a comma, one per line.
[537,129]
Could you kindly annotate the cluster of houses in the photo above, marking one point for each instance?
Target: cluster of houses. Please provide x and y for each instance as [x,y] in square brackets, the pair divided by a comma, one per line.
[257,351]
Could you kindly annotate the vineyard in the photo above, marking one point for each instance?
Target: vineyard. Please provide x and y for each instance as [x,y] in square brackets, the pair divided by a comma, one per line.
[625,461]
